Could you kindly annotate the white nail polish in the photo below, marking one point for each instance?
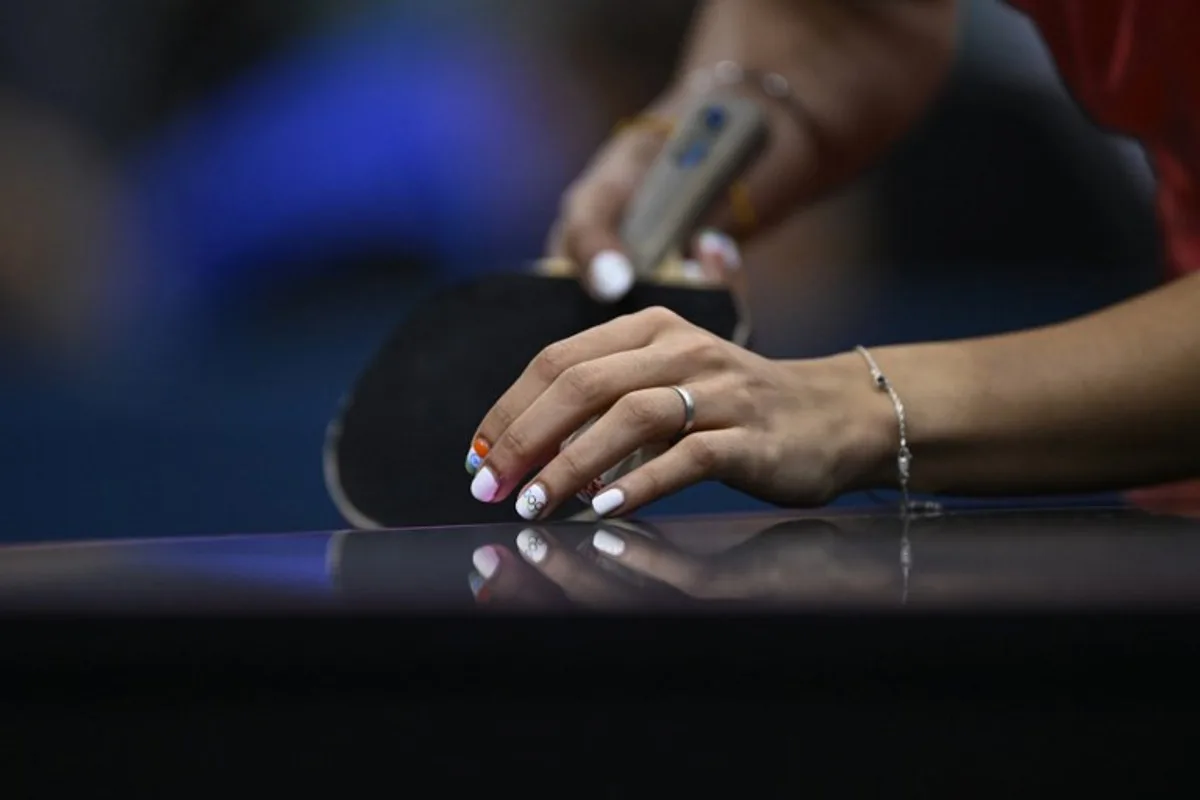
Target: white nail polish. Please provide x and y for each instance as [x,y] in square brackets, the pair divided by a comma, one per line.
[532,546]
[720,245]
[610,275]
[608,501]
[608,543]
[484,486]
[486,562]
[532,502]
[692,271]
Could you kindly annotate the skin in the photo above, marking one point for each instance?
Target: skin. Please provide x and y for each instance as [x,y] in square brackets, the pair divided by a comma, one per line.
[1101,402]
[848,561]
[866,70]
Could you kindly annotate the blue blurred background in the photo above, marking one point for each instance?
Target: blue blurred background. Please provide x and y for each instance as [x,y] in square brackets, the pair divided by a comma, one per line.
[213,211]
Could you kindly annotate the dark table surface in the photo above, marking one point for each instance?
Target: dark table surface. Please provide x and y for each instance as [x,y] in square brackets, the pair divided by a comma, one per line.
[1016,650]
[1049,560]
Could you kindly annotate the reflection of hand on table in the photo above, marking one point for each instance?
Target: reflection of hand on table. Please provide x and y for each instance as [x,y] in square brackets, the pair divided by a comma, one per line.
[807,559]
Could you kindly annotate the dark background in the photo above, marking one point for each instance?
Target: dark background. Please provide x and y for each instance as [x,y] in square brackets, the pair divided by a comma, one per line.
[212,213]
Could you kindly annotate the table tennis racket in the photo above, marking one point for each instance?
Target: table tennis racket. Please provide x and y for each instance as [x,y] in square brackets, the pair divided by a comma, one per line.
[394,453]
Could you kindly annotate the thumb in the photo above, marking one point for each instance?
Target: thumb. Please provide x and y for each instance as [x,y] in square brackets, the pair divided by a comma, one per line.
[608,273]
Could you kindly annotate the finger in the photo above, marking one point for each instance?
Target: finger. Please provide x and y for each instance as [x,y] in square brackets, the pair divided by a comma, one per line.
[654,560]
[696,457]
[613,383]
[503,580]
[592,212]
[624,333]
[591,237]
[639,418]
[630,332]
[579,580]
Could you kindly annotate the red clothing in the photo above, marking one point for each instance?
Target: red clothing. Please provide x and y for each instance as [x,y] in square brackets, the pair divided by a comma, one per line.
[1134,66]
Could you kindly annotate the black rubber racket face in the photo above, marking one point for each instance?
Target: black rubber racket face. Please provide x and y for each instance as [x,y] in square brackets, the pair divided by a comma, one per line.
[395,455]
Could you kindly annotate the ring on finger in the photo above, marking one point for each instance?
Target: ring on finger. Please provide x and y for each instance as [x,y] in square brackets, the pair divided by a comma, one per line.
[689,411]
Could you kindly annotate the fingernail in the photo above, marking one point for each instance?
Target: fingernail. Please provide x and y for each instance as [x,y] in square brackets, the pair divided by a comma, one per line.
[611,275]
[479,587]
[715,243]
[532,546]
[487,561]
[476,455]
[608,501]
[532,502]
[692,271]
[608,543]
[484,486]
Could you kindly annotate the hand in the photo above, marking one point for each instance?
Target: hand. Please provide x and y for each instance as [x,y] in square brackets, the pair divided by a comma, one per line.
[864,73]
[790,432]
[804,560]
[586,231]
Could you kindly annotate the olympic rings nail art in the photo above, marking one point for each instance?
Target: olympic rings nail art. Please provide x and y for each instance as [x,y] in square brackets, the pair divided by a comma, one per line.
[532,502]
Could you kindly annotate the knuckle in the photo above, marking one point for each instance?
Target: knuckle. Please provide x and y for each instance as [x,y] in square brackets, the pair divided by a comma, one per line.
[517,444]
[701,452]
[702,350]
[640,411]
[552,361]
[570,466]
[582,383]
[500,418]
[659,317]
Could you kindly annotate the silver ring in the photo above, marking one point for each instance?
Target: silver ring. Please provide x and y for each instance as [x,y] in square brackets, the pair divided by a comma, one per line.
[689,410]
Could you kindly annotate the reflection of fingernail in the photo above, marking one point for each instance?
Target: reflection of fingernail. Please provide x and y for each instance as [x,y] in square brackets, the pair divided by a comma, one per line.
[532,501]
[479,587]
[532,546]
[476,455]
[487,561]
[717,244]
[610,275]
[484,486]
[608,543]
[608,501]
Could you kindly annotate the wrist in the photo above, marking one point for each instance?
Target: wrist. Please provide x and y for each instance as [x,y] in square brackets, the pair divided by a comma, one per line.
[863,434]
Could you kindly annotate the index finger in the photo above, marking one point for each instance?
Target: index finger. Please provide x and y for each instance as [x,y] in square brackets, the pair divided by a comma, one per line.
[629,332]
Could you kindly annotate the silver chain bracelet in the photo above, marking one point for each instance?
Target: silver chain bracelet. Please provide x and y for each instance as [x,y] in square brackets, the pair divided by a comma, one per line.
[903,468]
[904,454]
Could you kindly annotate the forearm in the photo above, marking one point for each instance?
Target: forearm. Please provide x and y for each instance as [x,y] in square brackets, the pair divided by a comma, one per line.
[1111,400]
[862,70]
